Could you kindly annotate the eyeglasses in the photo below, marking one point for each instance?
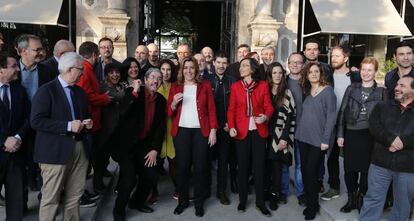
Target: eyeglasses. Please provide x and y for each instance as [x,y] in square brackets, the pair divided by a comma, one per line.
[154,78]
[295,62]
[79,68]
[37,50]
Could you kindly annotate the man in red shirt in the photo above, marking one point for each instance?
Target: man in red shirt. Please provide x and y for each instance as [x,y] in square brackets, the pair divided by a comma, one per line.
[89,83]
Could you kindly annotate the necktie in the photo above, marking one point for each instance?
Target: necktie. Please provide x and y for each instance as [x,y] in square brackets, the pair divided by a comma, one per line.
[74,102]
[5,98]
[6,103]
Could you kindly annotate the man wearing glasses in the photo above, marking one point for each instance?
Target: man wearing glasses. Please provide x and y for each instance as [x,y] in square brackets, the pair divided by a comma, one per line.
[32,75]
[60,117]
[106,50]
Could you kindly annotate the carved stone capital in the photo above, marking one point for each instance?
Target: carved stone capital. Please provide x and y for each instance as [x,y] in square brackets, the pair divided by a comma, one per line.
[263,33]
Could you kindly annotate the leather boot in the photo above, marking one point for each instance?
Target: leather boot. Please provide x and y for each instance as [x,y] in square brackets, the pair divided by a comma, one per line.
[351,204]
[359,201]
[273,198]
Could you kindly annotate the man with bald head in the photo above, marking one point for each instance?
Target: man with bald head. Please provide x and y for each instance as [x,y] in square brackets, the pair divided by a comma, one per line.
[153,55]
[183,50]
[61,47]
[201,60]
[208,55]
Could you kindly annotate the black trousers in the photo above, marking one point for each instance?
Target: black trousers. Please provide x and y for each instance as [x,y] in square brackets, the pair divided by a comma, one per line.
[310,158]
[275,174]
[101,144]
[12,173]
[333,167]
[130,168]
[223,158]
[251,149]
[191,148]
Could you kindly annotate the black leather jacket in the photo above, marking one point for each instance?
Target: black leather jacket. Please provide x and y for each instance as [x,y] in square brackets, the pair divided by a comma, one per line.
[388,121]
[227,81]
[351,105]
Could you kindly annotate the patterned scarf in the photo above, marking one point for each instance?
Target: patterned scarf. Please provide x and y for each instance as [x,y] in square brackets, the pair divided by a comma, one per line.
[249,89]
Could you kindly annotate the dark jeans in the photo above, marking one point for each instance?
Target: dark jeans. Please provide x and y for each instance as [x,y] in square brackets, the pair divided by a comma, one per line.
[101,144]
[252,148]
[276,175]
[12,174]
[223,158]
[310,161]
[191,148]
[333,167]
[130,167]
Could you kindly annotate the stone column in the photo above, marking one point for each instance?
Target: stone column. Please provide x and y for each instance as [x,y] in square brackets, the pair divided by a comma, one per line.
[114,23]
[263,28]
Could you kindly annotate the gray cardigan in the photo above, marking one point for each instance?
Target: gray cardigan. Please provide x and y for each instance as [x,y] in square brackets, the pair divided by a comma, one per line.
[317,123]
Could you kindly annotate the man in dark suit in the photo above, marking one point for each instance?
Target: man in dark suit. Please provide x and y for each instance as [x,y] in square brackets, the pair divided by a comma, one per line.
[106,50]
[61,47]
[14,128]
[32,75]
[140,136]
[59,116]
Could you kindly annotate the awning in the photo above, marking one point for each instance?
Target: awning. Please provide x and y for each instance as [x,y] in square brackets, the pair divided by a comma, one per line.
[43,12]
[366,17]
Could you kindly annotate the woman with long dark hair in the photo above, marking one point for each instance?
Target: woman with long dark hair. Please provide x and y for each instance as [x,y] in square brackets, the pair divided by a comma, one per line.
[315,130]
[194,124]
[353,131]
[249,110]
[167,68]
[130,69]
[281,129]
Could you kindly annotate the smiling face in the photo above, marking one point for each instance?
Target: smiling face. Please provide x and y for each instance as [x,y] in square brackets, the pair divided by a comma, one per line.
[403,91]
[245,69]
[189,72]
[277,75]
[220,65]
[208,54]
[368,72]
[113,77]
[404,56]
[133,70]
[153,81]
[106,49]
[34,52]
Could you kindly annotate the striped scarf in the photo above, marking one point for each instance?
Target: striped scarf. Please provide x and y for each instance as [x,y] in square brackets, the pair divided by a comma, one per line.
[249,87]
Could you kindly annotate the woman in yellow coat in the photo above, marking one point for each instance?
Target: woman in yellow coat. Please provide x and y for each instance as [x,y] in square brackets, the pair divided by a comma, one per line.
[167,69]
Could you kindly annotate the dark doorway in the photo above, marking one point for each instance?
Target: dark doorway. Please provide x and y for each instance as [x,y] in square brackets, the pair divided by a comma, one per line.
[198,23]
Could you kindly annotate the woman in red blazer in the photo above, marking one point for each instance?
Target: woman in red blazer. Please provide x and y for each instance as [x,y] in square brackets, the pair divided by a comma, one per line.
[194,123]
[250,108]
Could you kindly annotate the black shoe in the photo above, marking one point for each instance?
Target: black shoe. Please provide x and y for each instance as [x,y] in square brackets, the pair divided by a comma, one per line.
[264,211]
[310,216]
[223,198]
[282,199]
[145,209]
[199,211]
[241,208]
[350,204]
[92,196]
[273,202]
[302,200]
[359,201]
[180,208]
[305,211]
[85,202]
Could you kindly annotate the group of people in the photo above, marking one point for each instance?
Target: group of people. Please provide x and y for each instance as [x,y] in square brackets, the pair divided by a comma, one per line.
[62,116]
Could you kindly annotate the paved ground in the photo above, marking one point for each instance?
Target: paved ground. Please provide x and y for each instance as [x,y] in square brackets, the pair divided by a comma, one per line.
[214,210]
